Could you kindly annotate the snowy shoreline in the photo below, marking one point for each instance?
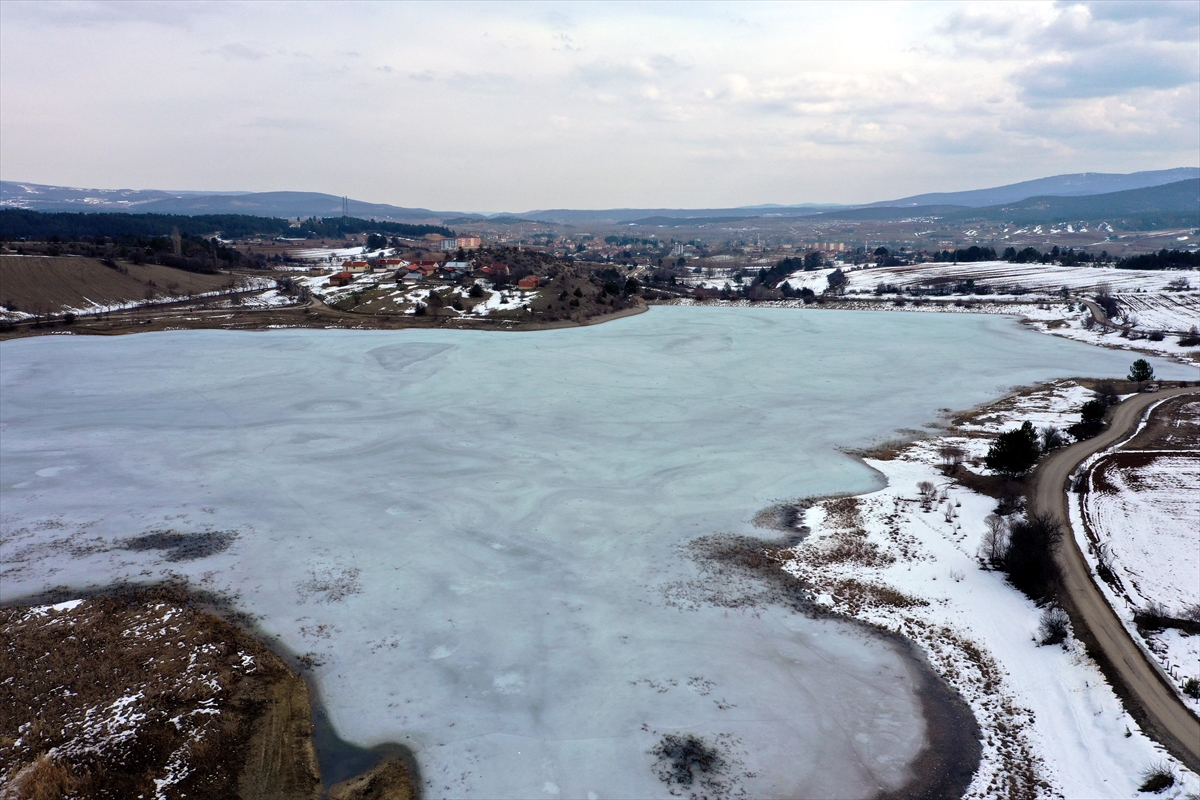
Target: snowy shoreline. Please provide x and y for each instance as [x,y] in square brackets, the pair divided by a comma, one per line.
[908,565]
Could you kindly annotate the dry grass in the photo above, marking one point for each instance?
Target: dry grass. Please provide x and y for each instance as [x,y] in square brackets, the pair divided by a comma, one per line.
[49,285]
[889,450]
[103,699]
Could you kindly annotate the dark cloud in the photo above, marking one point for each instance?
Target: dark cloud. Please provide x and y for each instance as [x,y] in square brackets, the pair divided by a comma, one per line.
[1106,72]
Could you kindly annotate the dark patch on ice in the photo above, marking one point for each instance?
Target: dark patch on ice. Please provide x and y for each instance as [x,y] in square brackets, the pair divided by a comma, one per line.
[329,584]
[786,518]
[685,759]
[181,546]
[739,571]
[395,357]
[696,767]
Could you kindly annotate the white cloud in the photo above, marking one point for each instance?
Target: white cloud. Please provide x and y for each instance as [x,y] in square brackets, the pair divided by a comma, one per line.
[514,106]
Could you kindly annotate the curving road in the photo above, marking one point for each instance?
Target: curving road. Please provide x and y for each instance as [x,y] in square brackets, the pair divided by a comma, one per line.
[1153,702]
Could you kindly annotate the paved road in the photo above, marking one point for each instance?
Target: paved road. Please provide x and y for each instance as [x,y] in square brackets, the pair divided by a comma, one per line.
[1163,715]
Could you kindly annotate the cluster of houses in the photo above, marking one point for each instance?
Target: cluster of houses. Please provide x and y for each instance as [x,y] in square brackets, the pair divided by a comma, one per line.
[468,242]
[416,272]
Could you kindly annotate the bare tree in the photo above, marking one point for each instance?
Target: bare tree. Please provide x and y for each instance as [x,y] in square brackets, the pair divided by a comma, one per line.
[994,546]
[952,456]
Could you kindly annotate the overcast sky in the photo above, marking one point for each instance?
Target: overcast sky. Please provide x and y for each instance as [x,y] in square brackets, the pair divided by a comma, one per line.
[511,107]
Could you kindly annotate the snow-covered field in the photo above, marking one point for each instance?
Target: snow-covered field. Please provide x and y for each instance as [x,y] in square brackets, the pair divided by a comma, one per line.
[1001,275]
[1174,311]
[475,538]
[329,255]
[1139,519]
[913,567]
[1149,515]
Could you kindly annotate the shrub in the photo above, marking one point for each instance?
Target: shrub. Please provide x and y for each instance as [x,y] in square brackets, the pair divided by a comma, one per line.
[1107,393]
[1091,420]
[1029,559]
[1052,438]
[1054,626]
[1191,687]
[952,456]
[1157,777]
[1191,338]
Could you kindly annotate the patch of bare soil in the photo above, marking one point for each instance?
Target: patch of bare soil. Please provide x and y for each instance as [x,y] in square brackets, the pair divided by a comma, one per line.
[147,694]
[1173,425]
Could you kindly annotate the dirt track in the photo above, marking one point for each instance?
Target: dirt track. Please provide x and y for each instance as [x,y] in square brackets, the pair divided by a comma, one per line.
[1153,702]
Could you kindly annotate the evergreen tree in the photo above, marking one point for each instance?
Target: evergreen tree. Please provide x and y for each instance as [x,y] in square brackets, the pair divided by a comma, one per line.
[1141,371]
[1014,452]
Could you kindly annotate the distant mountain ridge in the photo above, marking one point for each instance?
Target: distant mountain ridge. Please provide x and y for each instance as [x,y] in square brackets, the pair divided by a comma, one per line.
[41,197]
[1176,203]
[1075,185]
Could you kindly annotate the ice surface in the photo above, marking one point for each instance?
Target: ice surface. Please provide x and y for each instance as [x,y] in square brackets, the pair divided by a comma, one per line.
[472,534]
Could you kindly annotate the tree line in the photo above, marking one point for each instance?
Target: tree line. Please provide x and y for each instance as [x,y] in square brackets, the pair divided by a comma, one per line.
[20,224]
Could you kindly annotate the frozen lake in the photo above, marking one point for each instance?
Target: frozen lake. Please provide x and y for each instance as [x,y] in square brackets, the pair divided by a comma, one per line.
[476,536]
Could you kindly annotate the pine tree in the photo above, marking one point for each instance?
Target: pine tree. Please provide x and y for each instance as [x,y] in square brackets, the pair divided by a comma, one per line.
[1014,452]
[1141,371]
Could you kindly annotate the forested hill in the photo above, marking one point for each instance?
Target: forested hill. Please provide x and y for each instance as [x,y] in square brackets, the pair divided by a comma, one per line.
[70,226]
[1168,205]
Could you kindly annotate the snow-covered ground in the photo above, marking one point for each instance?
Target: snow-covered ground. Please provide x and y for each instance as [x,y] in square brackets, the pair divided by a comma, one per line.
[475,539]
[1149,515]
[816,280]
[406,296]
[329,255]
[1140,516]
[999,275]
[1168,311]
[912,567]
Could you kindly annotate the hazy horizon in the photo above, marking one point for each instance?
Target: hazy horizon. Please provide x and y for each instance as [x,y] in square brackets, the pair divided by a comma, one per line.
[513,107]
